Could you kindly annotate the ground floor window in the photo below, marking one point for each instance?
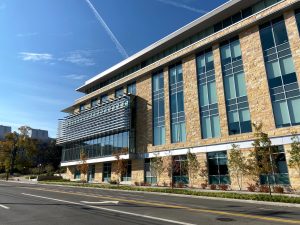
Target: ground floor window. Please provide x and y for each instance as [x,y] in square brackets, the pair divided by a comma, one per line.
[91,173]
[217,168]
[127,175]
[150,176]
[180,172]
[106,171]
[77,174]
[279,173]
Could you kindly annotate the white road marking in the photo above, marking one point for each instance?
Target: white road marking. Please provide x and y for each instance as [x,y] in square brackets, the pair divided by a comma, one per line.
[105,202]
[5,207]
[112,210]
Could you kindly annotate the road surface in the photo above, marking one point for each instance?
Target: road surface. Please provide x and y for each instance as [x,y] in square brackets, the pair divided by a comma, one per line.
[35,204]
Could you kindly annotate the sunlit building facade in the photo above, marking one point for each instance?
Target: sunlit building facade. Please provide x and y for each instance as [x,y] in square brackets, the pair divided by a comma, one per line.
[198,90]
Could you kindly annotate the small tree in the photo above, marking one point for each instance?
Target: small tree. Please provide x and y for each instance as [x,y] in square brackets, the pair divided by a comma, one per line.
[294,161]
[192,167]
[157,167]
[83,167]
[262,160]
[121,164]
[237,164]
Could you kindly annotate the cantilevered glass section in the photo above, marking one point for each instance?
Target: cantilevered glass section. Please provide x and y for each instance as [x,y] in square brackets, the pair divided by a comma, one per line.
[158,102]
[235,87]
[177,104]
[282,78]
[209,113]
[98,131]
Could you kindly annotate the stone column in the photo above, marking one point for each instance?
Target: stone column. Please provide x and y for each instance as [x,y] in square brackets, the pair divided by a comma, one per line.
[191,101]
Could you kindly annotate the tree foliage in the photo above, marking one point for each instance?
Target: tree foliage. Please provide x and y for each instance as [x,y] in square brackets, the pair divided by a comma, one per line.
[121,164]
[83,167]
[294,161]
[237,164]
[193,166]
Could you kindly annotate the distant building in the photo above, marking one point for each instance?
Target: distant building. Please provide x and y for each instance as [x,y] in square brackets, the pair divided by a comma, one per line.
[41,135]
[3,131]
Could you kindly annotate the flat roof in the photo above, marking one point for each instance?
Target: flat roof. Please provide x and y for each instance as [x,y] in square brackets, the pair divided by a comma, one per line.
[203,22]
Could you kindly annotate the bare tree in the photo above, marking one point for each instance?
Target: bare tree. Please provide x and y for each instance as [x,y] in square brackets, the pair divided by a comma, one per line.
[237,164]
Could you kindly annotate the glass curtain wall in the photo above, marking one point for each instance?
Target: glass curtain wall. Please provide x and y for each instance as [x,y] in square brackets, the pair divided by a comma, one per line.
[158,102]
[235,87]
[150,176]
[119,92]
[217,168]
[178,132]
[97,147]
[282,78]
[279,174]
[209,113]
[106,171]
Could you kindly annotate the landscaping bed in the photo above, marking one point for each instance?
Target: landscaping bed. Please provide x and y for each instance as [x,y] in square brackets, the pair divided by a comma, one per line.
[197,192]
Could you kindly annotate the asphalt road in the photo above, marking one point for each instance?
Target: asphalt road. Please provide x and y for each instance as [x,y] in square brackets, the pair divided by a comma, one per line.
[33,204]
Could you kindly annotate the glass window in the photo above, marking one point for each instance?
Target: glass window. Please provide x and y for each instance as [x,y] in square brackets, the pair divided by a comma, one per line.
[177,104]
[94,102]
[217,168]
[180,173]
[77,174]
[158,108]
[81,108]
[150,177]
[280,175]
[104,98]
[131,88]
[281,73]
[119,92]
[106,172]
[297,15]
[127,175]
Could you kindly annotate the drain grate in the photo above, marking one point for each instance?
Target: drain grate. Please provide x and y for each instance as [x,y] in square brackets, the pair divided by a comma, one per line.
[223,219]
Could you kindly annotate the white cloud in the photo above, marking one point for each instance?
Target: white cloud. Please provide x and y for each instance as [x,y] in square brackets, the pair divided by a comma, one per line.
[114,39]
[75,77]
[32,56]
[79,57]
[27,34]
[183,6]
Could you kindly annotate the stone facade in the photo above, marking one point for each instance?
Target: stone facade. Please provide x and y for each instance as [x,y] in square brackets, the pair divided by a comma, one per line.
[260,105]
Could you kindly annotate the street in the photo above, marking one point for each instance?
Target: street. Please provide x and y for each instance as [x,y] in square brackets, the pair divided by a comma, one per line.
[29,204]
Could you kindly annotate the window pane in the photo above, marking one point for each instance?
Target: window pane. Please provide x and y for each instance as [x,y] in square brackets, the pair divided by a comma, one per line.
[236,49]
[273,69]
[201,62]
[233,117]
[229,87]
[240,85]
[161,107]
[203,95]
[173,103]
[267,38]
[281,113]
[172,75]
[155,83]
[212,92]
[162,135]
[206,132]
[180,101]
[182,132]
[244,115]
[287,65]
[280,33]
[155,109]
[225,52]
[294,108]
[215,123]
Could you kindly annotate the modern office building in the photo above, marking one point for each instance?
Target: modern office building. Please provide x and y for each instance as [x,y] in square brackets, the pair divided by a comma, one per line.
[3,131]
[38,134]
[199,89]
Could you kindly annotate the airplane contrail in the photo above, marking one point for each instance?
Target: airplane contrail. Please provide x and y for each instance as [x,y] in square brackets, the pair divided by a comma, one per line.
[118,45]
[180,5]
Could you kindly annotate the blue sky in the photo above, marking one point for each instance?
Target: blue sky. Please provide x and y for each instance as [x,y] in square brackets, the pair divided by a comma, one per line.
[48,48]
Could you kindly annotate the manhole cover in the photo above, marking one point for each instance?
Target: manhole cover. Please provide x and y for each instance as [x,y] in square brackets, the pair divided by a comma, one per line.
[225,219]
